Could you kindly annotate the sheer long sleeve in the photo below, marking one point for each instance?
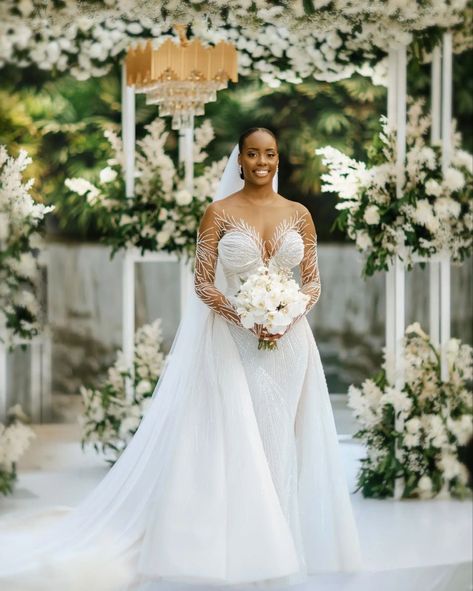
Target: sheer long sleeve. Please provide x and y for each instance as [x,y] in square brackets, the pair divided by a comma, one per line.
[206,256]
[309,267]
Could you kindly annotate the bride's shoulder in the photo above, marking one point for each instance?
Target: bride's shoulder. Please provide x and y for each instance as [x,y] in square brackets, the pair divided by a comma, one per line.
[296,207]
[220,205]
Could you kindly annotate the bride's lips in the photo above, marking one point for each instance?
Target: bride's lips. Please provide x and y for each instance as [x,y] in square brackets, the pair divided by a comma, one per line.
[261,173]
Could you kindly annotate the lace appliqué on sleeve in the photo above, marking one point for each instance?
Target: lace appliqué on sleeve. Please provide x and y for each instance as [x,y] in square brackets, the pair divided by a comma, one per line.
[208,236]
[310,277]
[309,266]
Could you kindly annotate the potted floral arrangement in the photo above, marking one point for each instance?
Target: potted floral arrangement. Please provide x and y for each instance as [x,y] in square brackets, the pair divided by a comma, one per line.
[434,422]
[110,419]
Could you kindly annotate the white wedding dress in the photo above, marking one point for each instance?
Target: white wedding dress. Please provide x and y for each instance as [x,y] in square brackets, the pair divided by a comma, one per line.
[234,476]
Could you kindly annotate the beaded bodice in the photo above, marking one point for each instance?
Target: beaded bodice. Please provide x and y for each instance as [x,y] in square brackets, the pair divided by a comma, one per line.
[241,250]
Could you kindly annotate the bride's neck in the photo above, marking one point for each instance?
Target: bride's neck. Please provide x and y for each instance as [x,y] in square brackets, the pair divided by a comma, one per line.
[259,195]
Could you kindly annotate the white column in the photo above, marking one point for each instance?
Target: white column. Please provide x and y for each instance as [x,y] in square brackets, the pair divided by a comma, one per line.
[128,321]
[395,282]
[395,277]
[36,390]
[435,133]
[186,155]
[3,378]
[445,304]
[128,309]
[128,133]
[46,376]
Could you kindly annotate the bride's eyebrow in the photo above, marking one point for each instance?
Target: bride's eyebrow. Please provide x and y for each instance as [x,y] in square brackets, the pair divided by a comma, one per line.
[267,149]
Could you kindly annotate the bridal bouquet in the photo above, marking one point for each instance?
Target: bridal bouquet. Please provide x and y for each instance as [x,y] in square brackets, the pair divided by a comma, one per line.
[271,298]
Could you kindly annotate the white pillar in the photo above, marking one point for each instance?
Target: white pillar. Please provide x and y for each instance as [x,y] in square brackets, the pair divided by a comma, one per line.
[128,304]
[435,134]
[128,133]
[186,155]
[445,304]
[395,283]
[3,377]
[395,277]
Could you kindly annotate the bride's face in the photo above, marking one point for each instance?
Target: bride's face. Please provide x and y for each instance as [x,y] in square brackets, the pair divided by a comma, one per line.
[259,158]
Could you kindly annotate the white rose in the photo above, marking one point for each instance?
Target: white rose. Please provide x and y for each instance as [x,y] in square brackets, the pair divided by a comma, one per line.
[463,159]
[424,484]
[363,241]
[432,187]
[371,215]
[183,197]
[446,206]
[454,179]
[163,237]
[143,387]
[413,425]
[79,185]
[107,175]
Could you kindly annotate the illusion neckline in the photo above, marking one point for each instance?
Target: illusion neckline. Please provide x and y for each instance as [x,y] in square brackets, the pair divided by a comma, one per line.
[280,229]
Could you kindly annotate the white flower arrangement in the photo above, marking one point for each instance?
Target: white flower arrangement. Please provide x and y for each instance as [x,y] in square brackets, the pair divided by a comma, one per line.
[163,215]
[272,298]
[110,420]
[434,213]
[20,219]
[279,42]
[15,439]
[435,419]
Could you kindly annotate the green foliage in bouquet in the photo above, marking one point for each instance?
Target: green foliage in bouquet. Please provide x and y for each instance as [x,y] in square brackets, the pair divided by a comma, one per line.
[434,423]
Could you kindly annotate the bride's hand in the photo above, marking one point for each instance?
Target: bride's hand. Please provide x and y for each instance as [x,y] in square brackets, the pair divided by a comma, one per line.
[262,333]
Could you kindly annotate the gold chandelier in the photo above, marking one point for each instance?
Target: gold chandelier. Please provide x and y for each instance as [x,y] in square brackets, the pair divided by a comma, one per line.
[181,78]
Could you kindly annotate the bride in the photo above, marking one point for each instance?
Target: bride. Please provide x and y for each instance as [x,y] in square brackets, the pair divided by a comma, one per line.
[234,476]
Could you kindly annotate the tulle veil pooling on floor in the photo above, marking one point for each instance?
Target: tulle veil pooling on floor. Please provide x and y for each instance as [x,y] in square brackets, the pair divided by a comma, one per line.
[191,499]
